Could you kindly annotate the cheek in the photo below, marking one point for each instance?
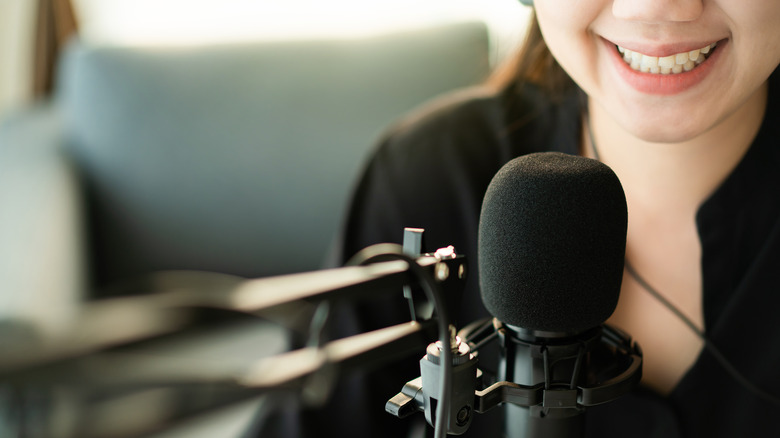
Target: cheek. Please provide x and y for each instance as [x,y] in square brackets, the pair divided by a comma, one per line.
[566,30]
[757,33]
[755,36]
[558,23]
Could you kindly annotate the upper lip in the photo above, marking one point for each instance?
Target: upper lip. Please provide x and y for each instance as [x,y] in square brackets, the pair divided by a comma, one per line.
[661,49]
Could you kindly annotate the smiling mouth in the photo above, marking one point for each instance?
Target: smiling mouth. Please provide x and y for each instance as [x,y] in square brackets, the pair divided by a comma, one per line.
[673,64]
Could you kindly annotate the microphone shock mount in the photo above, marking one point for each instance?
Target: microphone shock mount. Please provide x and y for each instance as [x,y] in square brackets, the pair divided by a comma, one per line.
[545,380]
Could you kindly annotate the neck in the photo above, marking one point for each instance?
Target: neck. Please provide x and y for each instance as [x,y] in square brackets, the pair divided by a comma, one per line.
[675,177]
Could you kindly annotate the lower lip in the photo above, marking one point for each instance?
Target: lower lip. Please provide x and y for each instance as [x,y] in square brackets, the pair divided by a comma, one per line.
[660,84]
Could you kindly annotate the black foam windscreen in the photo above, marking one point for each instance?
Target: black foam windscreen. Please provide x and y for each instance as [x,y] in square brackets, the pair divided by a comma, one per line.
[552,240]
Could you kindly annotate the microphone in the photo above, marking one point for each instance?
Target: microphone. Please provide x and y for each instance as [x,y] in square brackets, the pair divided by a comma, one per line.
[552,240]
[551,248]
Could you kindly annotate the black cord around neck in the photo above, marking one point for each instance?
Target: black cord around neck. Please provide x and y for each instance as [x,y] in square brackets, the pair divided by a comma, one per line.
[708,345]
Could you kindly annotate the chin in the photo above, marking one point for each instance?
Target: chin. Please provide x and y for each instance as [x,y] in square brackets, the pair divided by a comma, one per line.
[664,136]
[676,129]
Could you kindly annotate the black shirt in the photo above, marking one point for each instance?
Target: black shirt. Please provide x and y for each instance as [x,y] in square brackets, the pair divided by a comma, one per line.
[431,171]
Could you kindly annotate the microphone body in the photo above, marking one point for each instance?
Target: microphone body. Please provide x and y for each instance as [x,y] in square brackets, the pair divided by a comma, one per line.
[552,239]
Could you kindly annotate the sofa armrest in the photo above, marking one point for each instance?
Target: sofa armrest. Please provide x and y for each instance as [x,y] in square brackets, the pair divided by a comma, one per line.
[42,256]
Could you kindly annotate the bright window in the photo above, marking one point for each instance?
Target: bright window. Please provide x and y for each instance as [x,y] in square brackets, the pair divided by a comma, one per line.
[151,22]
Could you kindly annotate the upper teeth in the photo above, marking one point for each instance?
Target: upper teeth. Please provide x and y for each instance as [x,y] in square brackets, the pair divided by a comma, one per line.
[676,63]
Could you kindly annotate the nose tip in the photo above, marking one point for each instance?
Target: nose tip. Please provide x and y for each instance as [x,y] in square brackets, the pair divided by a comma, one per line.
[656,11]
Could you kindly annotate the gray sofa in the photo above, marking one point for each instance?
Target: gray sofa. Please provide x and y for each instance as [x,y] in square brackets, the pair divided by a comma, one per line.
[236,159]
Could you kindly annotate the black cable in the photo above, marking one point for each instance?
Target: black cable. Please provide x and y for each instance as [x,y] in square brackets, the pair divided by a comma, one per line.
[484,341]
[666,303]
[478,333]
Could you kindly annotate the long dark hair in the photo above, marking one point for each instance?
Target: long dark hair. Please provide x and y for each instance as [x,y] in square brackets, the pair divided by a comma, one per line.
[534,64]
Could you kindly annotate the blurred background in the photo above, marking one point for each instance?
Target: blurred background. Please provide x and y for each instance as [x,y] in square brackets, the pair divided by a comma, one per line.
[217,135]
[197,22]
[220,138]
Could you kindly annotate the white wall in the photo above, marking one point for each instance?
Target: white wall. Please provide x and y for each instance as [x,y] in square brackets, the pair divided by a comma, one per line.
[16,46]
[154,22]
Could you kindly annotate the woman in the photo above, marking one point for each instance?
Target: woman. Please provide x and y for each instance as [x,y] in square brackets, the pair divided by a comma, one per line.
[680,99]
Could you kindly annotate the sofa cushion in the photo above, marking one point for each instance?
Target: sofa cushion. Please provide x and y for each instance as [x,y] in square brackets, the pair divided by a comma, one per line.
[240,158]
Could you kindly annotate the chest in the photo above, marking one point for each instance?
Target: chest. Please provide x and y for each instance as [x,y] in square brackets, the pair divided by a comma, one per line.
[664,252]
[670,347]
